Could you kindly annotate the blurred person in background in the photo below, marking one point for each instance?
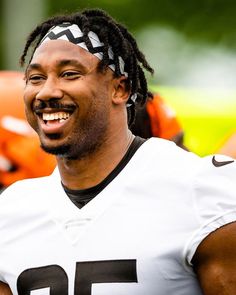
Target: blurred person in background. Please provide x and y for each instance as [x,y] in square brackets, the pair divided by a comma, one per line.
[20,153]
[156,119]
[229,146]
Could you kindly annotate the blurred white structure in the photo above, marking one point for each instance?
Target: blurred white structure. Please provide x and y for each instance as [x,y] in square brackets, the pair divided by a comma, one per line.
[179,62]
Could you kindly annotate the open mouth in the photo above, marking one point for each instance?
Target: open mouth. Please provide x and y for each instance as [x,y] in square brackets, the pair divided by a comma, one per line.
[59,117]
[55,122]
[54,117]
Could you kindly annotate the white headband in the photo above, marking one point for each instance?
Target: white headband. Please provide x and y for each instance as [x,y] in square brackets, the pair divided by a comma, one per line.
[72,33]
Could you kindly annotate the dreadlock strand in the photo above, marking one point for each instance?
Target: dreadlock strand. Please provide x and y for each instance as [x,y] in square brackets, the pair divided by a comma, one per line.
[143,84]
[140,56]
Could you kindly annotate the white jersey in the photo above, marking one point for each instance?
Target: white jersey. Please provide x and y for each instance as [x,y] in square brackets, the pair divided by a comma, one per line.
[136,237]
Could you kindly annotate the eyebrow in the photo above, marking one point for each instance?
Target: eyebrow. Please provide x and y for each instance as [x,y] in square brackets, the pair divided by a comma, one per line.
[72,62]
[32,67]
[60,63]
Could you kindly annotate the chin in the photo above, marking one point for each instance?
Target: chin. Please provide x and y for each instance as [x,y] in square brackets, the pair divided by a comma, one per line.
[63,151]
[59,150]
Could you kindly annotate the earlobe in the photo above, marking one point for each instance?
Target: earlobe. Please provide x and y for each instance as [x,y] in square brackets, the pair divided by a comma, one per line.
[121,90]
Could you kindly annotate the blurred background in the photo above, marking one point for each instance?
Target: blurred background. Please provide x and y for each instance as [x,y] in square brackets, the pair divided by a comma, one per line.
[190,43]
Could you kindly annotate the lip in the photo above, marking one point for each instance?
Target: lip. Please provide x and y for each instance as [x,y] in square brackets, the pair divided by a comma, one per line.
[40,110]
[52,127]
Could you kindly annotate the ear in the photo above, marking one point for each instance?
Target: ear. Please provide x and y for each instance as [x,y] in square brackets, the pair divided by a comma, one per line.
[121,91]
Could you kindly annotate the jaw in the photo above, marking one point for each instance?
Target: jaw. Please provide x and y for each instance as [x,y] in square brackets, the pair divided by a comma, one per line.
[75,135]
[63,137]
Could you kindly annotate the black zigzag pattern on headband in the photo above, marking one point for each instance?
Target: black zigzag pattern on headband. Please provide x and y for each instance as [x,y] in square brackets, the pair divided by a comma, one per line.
[76,40]
[68,34]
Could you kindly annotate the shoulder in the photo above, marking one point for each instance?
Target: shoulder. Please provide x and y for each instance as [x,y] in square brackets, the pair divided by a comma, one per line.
[166,152]
[206,184]
[23,201]
[25,190]
[24,185]
[167,167]
[216,178]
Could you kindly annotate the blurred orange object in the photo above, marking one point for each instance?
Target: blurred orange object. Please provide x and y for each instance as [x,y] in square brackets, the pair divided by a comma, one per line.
[229,146]
[164,123]
[20,153]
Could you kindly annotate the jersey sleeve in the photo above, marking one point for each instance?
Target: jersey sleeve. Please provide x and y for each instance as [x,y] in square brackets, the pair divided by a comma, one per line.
[214,199]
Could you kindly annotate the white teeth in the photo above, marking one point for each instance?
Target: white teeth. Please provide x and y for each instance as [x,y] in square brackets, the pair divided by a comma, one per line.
[62,116]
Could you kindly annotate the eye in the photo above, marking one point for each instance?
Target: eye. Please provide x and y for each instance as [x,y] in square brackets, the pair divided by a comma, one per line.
[34,78]
[71,75]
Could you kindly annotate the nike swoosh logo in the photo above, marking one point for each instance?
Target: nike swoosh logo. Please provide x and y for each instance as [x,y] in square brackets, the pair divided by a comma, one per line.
[219,164]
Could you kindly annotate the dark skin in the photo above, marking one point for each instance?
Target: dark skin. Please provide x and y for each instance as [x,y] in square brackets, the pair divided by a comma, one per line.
[4,289]
[98,100]
[215,262]
[102,95]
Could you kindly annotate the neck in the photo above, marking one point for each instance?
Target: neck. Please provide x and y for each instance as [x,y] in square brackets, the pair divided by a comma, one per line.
[91,170]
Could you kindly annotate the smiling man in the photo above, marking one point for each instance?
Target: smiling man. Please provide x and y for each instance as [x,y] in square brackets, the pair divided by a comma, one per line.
[120,214]
[79,99]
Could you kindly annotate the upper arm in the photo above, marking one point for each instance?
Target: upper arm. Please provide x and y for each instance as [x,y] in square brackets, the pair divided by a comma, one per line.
[215,262]
[4,289]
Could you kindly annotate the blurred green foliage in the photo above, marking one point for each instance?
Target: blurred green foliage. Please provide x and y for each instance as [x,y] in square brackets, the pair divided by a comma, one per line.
[1,34]
[207,20]
[206,115]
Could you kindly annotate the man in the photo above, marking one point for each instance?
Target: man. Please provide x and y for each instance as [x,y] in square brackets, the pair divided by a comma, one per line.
[120,215]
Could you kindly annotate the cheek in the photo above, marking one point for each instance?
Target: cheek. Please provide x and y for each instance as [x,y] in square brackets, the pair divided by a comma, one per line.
[28,102]
[30,118]
[28,98]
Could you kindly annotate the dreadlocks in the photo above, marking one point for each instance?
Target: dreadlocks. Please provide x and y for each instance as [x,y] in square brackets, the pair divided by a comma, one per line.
[113,35]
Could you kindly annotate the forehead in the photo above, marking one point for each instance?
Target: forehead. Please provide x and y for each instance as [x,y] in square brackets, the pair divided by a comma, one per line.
[50,53]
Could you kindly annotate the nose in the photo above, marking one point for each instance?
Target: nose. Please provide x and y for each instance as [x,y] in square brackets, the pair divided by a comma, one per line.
[49,90]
